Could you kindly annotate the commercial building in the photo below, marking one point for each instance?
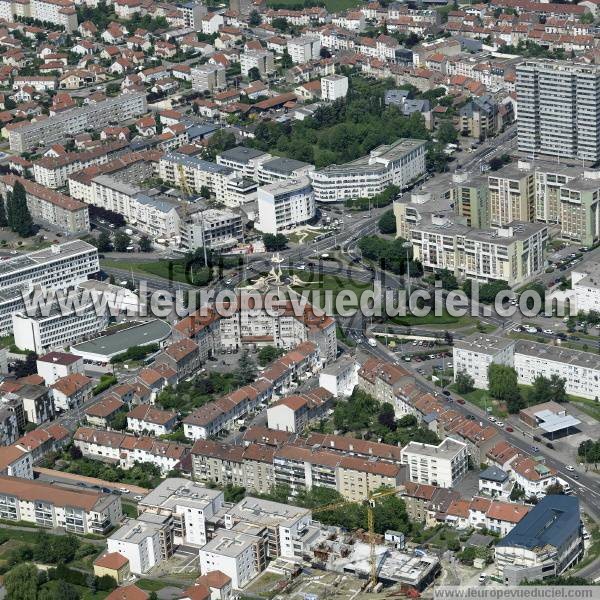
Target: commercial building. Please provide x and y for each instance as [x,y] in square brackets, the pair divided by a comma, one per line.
[59,127]
[442,465]
[474,355]
[334,87]
[58,326]
[545,543]
[559,109]
[100,350]
[304,49]
[208,77]
[513,253]
[284,205]
[46,505]
[395,164]
[55,268]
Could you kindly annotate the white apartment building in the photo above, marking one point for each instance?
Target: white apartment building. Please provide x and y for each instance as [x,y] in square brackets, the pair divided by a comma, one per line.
[212,228]
[304,49]
[334,87]
[243,160]
[394,164]
[580,370]
[139,542]
[284,205]
[513,253]
[58,327]
[585,283]
[149,420]
[46,505]
[56,365]
[239,555]
[340,377]
[208,77]
[559,112]
[474,355]
[286,527]
[127,449]
[257,59]
[189,506]
[56,268]
[59,12]
[442,465]
[57,128]
[15,462]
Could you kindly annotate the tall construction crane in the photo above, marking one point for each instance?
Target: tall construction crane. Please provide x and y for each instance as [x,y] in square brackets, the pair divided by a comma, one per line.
[370,503]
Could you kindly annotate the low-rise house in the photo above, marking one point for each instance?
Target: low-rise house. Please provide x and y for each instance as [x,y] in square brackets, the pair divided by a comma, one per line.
[148,420]
[101,413]
[71,391]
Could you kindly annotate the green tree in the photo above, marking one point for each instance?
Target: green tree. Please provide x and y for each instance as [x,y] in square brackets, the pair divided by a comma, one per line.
[449,281]
[18,215]
[103,242]
[145,244]
[387,222]
[254,74]
[246,369]
[558,392]
[220,141]
[205,192]
[517,493]
[119,421]
[3,219]
[275,243]
[464,382]
[254,20]
[540,390]
[503,386]
[21,582]
[286,60]
[268,354]
[447,133]
[121,241]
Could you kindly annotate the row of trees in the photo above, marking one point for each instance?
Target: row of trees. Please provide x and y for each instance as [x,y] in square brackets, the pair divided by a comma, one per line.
[120,242]
[390,254]
[385,198]
[14,212]
[589,451]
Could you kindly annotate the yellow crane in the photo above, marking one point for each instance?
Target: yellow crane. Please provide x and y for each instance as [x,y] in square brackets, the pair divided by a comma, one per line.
[183,184]
[370,503]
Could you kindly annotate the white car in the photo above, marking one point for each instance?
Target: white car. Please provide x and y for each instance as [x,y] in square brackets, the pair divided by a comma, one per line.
[570,468]
[500,423]
[124,490]
[301,267]
[492,419]
[548,331]
[138,498]
[530,329]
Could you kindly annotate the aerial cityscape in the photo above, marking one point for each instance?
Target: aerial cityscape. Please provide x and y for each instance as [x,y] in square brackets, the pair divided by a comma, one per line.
[299,299]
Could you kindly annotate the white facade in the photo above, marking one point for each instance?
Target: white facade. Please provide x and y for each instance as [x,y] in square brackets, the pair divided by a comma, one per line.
[56,365]
[304,49]
[59,329]
[443,465]
[340,378]
[257,59]
[475,354]
[285,205]
[234,553]
[396,164]
[139,542]
[208,77]
[334,87]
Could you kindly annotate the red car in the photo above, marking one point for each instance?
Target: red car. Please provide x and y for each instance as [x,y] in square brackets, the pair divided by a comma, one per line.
[509,429]
[460,400]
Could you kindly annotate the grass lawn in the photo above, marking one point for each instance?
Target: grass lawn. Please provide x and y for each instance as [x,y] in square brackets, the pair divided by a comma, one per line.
[589,407]
[172,270]
[129,510]
[151,585]
[482,399]
[16,534]
[432,319]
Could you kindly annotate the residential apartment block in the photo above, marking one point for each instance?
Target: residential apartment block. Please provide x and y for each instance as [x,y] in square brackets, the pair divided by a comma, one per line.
[559,109]
[395,164]
[45,132]
[443,465]
[208,77]
[47,505]
[284,205]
